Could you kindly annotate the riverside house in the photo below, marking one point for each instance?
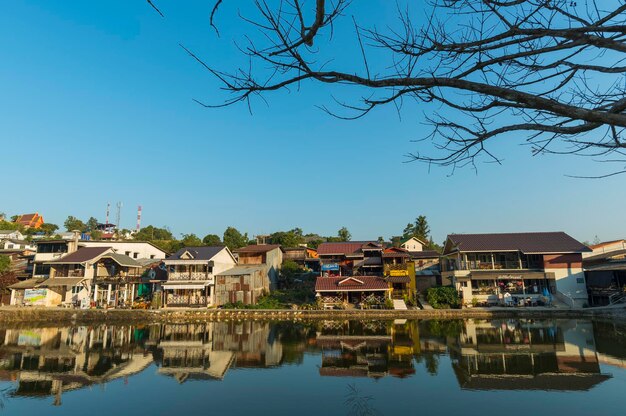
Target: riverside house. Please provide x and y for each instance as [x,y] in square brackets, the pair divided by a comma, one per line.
[605,272]
[95,274]
[349,291]
[515,268]
[351,258]
[191,275]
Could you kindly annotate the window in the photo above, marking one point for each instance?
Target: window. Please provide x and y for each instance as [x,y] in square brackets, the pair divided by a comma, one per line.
[76,290]
[151,256]
[127,253]
[580,280]
[135,255]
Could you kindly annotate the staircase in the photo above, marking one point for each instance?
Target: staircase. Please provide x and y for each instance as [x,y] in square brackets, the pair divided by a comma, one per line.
[399,304]
[615,298]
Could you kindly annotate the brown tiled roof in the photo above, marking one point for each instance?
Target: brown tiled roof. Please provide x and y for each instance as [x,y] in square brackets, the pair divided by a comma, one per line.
[539,242]
[345,284]
[257,248]
[395,252]
[82,255]
[346,247]
[399,279]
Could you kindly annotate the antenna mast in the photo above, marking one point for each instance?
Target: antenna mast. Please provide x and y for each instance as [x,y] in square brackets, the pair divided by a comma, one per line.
[138,217]
[117,219]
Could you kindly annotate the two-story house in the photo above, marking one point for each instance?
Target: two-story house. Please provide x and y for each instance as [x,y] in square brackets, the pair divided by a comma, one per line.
[519,268]
[351,258]
[95,274]
[191,275]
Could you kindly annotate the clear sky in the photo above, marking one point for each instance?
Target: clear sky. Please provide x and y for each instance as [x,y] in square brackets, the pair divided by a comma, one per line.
[96,106]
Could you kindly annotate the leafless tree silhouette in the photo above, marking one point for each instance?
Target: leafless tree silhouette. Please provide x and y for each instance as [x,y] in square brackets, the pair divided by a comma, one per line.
[549,73]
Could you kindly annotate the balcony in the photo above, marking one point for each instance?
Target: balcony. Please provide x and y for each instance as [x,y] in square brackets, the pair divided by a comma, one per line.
[64,272]
[199,276]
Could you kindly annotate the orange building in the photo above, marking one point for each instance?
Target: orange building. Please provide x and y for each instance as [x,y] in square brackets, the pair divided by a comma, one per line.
[30,220]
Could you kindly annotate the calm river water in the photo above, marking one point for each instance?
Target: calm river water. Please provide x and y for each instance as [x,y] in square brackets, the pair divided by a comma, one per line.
[436,367]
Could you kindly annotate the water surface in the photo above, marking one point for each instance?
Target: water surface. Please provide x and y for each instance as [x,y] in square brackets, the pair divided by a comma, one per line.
[454,367]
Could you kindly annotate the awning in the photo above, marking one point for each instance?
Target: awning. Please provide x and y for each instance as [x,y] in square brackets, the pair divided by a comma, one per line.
[61,281]
[26,284]
[399,279]
[185,285]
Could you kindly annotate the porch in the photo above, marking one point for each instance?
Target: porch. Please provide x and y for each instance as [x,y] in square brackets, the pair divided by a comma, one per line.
[187,295]
[357,300]
[507,290]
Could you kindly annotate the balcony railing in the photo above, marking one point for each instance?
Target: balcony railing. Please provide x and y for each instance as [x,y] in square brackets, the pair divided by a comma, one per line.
[70,273]
[190,276]
[498,265]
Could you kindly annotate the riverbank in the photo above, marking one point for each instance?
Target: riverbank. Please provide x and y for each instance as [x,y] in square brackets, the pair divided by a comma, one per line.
[35,315]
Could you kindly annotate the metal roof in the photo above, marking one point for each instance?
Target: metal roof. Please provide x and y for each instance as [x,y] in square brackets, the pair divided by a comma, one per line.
[82,255]
[198,253]
[534,242]
[243,270]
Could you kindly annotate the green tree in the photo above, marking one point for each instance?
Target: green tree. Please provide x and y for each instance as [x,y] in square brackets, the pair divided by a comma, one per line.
[344,234]
[5,263]
[233,239]
[6,225]
[212,240]
[150,233]
[95,234]
[191,240]
[291,238]
[92,224]
[409,231]
[381,240]
[72,223]
[48,229]
[422,229]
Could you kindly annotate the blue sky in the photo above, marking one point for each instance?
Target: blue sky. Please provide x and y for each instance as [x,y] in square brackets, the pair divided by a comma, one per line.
[96,106]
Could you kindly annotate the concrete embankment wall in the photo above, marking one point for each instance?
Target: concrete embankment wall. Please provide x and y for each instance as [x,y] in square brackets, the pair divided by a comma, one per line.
[50,316]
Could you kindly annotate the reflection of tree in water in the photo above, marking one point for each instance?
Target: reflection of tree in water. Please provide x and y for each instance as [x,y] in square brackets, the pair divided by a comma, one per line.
[359,404]
[431,362]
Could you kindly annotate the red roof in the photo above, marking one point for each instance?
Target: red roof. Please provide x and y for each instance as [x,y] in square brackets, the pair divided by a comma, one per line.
[345,247]
[347,284]
[541,242]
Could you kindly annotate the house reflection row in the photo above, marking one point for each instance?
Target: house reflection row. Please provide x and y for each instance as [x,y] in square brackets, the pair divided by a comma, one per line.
[508,354]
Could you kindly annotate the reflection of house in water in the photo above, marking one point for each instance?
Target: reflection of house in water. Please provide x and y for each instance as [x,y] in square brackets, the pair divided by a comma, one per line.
[187,352]
[206,351]
[368,349]
[49,361]
[523,355]
[255,344]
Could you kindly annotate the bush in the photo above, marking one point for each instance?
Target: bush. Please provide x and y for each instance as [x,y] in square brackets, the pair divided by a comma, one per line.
[443,297]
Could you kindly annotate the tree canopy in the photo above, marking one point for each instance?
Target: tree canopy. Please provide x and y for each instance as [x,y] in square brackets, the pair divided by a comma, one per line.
[344,234]
[233,239]
[72,223]
[212,240]
[150,233]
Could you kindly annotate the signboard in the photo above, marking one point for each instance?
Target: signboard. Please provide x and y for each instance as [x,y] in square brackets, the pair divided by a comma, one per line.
[510,276]
[330,267]
[398,272]
[30,338]
[35,296]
